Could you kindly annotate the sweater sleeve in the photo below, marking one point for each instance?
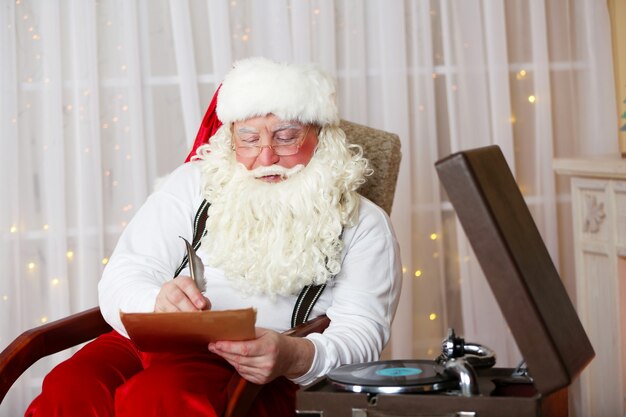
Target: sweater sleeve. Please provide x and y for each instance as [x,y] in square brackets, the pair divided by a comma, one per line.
[149,249]
[365,295]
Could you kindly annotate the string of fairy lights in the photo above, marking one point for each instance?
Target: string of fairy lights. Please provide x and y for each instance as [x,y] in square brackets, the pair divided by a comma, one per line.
[27,24]
[26,27]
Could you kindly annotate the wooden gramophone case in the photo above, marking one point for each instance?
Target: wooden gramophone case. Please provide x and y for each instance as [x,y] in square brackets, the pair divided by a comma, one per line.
[530,294]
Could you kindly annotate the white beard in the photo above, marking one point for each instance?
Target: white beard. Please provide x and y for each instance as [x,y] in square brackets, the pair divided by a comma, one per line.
[276,238]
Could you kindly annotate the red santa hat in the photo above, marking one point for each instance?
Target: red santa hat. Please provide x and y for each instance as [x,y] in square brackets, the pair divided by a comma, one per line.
[209,126]
[259,86]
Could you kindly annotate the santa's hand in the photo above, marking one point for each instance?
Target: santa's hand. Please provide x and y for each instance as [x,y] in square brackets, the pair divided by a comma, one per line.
[267,357]
[181,294]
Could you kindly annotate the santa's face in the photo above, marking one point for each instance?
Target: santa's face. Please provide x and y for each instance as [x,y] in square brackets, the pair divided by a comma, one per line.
[268,141]
[275,238]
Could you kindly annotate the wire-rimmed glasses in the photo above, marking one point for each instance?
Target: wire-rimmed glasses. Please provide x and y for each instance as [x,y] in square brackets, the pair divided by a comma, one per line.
[285,141]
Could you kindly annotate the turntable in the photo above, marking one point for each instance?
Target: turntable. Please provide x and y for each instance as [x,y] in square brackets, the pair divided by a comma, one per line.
[462,381]
[393,377]
[453,372]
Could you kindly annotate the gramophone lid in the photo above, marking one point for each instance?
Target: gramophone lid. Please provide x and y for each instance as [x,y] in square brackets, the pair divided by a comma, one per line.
[517,265]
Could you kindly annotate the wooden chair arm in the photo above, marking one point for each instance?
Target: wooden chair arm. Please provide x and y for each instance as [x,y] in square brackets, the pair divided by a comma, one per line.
[241,393]
[316,325]
[45,340]
[78,328]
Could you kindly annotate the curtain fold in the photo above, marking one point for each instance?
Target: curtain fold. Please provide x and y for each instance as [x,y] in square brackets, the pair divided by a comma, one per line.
[426,271]
[102,97]
[51,161]
[220,40]
[84,154]
[186,67]
[10,256]
[135,68]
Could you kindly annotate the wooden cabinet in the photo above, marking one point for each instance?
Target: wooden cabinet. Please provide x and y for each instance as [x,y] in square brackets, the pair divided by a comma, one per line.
[598,193]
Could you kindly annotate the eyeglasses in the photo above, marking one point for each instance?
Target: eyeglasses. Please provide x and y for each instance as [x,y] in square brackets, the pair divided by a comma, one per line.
[285,142]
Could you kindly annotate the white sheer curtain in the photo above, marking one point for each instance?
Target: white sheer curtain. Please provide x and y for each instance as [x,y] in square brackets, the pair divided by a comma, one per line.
[100,97]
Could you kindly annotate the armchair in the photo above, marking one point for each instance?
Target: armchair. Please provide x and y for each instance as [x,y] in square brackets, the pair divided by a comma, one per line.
[383,151]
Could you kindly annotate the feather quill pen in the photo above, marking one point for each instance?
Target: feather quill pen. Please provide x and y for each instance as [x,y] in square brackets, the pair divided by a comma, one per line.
[196,267]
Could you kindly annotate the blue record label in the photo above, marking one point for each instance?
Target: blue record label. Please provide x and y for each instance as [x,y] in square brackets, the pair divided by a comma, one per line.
[399,371]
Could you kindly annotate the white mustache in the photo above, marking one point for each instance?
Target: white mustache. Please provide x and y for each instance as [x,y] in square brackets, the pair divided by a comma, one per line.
[283,172]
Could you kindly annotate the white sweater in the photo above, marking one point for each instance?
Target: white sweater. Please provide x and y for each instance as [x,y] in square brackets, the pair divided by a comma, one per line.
[360,301]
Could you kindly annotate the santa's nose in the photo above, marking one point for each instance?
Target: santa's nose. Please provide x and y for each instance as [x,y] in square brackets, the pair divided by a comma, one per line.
[267,157]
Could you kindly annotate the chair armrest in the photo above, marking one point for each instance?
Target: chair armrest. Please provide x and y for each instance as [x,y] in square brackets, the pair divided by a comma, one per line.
[316,325]
[78,328]
[241,393]
[45,340]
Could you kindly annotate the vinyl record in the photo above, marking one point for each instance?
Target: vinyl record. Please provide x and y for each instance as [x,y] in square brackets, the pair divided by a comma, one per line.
[394,376]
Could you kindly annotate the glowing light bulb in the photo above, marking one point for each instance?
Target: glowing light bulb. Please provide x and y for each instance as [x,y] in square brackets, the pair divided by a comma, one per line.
[433,236]
[69,254]
[105,261]
[44,319]
[432,317]
[31,265]
[55,281]
[13,229]
[418,273]
[532,99]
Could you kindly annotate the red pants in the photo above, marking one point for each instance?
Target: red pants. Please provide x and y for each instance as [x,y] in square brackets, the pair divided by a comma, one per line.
[110,377]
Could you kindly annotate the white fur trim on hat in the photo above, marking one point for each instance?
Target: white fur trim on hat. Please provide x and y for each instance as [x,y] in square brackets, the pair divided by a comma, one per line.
[259,86]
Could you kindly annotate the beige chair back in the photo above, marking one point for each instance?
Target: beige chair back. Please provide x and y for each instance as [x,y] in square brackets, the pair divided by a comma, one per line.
[382,149]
